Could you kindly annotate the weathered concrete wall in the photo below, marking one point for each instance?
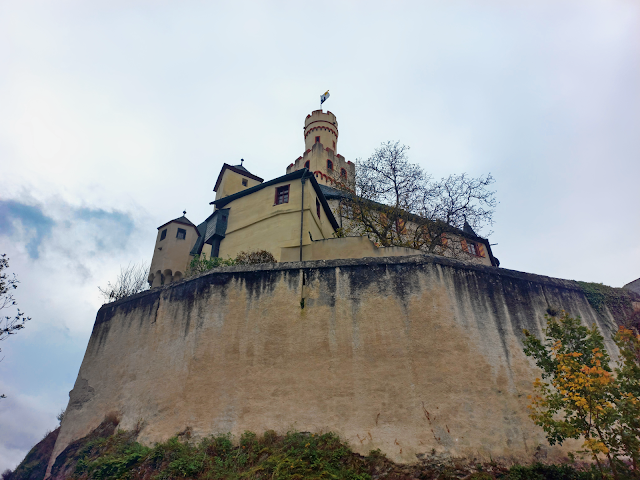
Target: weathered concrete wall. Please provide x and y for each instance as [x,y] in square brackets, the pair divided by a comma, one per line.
[405,354]
[633,286]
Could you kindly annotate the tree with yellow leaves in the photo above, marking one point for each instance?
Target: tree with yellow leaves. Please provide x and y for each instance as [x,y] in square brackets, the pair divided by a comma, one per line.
[627,393]
[580,396]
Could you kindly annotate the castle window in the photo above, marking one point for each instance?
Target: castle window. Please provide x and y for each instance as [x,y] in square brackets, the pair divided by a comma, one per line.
[306,164]
[318,207]
[343,173]
[282,195]
[317,139]
[473,248]
[329,165]
[245,182]
[163,235]
[181,234]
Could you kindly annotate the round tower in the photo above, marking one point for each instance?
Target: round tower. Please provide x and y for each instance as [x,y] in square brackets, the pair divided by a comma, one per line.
[321,127]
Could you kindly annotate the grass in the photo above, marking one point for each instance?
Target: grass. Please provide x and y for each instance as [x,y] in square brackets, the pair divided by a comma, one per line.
[108,453]
[288,457]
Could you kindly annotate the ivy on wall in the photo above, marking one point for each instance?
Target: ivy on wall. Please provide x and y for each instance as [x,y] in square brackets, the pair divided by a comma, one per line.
[617,300]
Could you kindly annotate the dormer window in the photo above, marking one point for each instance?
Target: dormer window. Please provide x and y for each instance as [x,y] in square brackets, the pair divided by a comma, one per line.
[163,235]
[182,234]
[245,182]
[329,165]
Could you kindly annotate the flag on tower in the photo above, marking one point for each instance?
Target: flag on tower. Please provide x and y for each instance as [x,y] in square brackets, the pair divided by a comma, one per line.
[323,97]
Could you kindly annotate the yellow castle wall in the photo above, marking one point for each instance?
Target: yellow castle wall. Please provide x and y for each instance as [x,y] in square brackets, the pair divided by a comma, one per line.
[256,223]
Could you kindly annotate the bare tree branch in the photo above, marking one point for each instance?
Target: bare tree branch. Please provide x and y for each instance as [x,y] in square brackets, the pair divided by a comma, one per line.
[9,324]
[397,204]
[132,279]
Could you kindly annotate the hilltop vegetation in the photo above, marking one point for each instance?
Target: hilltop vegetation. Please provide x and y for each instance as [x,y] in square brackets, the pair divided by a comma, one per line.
[108,453]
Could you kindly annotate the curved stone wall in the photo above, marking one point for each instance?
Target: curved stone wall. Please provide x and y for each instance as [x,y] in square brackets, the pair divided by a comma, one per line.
[412,355]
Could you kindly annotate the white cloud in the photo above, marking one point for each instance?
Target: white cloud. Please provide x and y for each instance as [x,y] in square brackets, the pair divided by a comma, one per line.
[132,107]
[24,420]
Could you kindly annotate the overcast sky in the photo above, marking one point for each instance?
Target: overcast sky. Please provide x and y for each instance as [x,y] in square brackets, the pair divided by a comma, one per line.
[117,115]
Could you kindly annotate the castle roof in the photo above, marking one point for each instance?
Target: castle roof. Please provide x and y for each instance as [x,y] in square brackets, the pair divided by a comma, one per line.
[197,247]
[298,174]
[238,169]
[183,220]
[331,193]
[468,230]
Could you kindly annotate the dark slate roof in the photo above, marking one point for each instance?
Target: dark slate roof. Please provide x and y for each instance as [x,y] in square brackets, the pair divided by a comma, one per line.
[468,230]
[331,193]
[220,203]
[238,169]
[183,220]
[197,247]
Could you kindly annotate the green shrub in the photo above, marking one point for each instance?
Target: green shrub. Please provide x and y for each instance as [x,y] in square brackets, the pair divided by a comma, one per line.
[279,457]
[257,257]
[201,264]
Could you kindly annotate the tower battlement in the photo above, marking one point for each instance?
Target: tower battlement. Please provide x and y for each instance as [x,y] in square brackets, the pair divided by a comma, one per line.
[321,127]
[321,155]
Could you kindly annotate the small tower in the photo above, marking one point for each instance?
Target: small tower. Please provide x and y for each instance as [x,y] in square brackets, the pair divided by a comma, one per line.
[171,255]
[321,127]
[321,156]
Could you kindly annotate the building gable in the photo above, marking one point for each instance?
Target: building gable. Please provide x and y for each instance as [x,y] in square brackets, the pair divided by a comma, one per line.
[233,179]
[297,175]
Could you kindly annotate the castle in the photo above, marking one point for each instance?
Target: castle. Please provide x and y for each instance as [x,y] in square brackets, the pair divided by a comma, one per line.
[417,355]
[294,216]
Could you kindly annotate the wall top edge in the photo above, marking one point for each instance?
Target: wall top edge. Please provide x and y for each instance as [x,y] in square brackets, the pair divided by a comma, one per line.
[422,259]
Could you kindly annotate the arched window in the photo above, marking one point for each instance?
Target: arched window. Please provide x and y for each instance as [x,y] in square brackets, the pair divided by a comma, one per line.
[306,164]
[343,173]
[329,165]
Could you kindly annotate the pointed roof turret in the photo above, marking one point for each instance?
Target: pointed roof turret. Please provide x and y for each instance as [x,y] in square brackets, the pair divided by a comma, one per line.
[183,220]
[468,230]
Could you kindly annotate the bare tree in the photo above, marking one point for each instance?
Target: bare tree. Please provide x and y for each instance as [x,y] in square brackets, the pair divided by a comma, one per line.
[398,204]
[9,324]
[132,279]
